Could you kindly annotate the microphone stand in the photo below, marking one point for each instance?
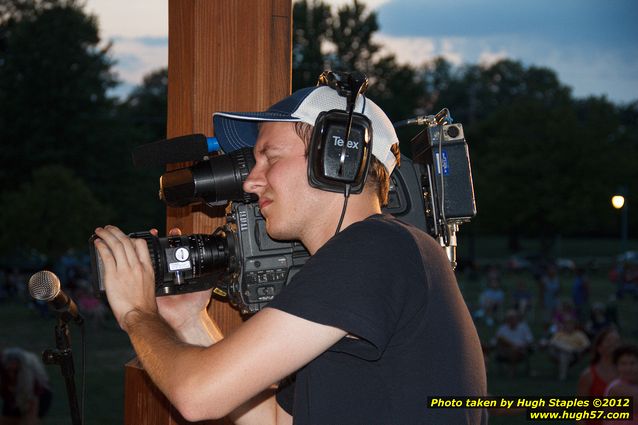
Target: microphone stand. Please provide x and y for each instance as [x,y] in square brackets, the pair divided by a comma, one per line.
[63,356]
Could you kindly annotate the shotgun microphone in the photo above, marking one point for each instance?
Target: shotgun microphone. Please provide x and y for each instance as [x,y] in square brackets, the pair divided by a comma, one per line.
[45,286]
[193,147]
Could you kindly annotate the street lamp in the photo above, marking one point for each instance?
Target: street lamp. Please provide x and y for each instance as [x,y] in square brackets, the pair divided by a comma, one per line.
[619,202]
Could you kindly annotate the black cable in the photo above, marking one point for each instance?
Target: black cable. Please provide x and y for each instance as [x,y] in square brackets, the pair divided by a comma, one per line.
[403,123]
[444,228]
[442,117]
[346,195]
[418,120]
[83,390]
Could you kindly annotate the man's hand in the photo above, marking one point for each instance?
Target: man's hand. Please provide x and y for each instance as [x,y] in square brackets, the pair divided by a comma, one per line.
[128,273]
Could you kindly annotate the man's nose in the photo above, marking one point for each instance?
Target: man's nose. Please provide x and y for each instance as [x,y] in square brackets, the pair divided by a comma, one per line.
[254,181]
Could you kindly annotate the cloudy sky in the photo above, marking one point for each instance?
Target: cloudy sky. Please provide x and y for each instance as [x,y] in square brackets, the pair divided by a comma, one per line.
[591,44]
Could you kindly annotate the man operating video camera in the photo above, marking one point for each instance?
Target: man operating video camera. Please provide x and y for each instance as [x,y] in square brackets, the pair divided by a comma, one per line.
[370,327]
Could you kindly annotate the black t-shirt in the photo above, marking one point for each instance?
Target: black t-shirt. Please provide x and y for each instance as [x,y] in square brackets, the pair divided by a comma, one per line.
[391,287]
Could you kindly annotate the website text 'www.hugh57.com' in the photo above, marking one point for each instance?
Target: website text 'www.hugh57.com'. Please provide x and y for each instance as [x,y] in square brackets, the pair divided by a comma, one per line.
[577,415]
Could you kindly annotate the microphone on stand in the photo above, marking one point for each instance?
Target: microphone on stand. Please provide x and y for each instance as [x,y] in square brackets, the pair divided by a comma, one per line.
[45,286]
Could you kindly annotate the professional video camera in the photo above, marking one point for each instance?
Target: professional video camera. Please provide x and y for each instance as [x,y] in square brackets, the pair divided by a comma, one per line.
[432,191]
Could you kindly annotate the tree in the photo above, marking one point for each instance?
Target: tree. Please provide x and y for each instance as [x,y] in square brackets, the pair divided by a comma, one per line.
[54,77]
[55,109]
[531,143]
[343,42]
[146,107]
[311,22]
[13,11]
[144,115]
[542,161]
[351,32]
[52,213]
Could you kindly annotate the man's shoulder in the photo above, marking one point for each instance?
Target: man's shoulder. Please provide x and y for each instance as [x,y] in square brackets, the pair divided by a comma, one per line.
[375,234]
[378,241]
[382,233]
[384,226]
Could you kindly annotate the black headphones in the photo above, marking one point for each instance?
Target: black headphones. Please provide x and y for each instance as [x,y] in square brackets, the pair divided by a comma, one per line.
[341,142]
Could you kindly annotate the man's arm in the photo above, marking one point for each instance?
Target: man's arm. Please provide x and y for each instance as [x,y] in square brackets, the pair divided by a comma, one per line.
[262,409]
[205,381]
[211,382]
[200,329]
[188,315]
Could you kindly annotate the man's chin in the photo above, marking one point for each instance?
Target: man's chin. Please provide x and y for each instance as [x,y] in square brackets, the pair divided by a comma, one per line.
[279,233]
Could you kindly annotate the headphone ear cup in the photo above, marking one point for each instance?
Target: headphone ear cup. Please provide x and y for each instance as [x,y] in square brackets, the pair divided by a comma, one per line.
[333,162]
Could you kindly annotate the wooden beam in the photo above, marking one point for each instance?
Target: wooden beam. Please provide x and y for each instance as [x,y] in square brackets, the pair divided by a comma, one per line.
[223,55]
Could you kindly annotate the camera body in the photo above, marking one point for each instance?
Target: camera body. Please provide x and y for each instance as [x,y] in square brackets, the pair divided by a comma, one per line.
[264,265]
[432,191]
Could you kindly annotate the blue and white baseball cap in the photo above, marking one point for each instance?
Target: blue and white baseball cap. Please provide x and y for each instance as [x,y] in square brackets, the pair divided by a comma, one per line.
[236,130]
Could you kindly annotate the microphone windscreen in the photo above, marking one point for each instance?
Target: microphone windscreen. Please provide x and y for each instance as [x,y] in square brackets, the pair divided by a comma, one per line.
[177,149]
[44,285]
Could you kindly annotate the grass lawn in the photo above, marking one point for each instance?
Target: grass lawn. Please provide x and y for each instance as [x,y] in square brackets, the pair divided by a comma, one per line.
[543,380]
[108,349]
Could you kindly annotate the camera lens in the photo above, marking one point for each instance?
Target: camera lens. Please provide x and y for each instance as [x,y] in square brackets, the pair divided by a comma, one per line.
[216,180]
[187,263]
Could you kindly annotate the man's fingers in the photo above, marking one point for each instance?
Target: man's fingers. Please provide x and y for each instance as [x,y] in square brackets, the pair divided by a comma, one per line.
[119,244]
[127,244]
[175,231]
[105,254]
[113,244]
[141,247]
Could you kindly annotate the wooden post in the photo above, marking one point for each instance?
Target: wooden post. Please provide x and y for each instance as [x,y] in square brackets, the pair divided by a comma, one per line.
[223,55]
